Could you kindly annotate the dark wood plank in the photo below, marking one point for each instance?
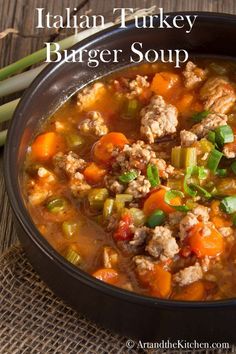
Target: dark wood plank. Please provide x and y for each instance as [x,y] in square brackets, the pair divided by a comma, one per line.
[20,14]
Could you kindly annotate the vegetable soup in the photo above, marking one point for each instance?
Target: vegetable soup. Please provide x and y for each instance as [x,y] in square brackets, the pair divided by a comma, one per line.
[133,180]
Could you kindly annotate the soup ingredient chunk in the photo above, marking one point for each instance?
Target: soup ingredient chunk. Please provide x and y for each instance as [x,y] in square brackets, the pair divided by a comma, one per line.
[89,95]
[193,76]
[218,95]
[46,146]
[94,124]
[158,119]
[189,275]
[211,122]
[162,244]
[138,86]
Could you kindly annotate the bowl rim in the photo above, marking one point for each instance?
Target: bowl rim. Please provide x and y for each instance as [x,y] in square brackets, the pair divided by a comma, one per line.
[23,217]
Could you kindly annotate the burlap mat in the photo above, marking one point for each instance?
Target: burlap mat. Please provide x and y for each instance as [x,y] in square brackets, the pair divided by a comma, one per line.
[33,320]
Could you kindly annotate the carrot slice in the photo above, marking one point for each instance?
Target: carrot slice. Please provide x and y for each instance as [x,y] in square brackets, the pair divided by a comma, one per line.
[108,275]
[205,240]
[184,105]
[156,201]
[158,280]
[93,173]
[104,146]
[191,292]
[163,83]
[46,145]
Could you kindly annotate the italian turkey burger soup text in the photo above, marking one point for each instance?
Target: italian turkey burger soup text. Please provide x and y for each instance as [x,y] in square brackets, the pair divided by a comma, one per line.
[176,56]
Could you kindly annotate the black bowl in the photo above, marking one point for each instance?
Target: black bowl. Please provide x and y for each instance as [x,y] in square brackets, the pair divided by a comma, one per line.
[125,312]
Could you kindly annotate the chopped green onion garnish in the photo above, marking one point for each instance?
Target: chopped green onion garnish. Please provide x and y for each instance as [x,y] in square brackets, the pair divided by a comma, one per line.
[214,160]
[169,195]
[198,117]
[128,176]
[224,134]
[201,191]
[211,137]
[228,204]
[221,172]
[157,218]
[233,167]
[56,205]
[153,175]
[200,171]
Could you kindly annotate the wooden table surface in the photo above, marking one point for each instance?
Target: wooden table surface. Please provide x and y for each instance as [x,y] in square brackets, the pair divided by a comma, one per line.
[20,14]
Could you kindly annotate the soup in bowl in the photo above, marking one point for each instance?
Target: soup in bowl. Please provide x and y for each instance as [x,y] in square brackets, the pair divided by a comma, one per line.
[104,188]
[133,180]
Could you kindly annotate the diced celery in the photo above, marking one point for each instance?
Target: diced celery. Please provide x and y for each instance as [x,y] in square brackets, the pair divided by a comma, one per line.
[176,156]
[56,205]
[138,216]
[120,201]
[131,109]
[97,197]
[72,256]
[74,140]
[174,183]
[183,157]
[123,198]
[108,208]
[189,157]
[70,228]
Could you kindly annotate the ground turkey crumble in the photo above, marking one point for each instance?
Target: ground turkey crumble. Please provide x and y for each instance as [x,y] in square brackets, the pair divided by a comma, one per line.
[138,156]
[229,152]
[137,86]
[193,76]
[70,162]
[93,125]
[199,213]
[140,235]
[211,122]
[139,187]
[218,95]
[73,165]
[187,138]
[162,244]
[158,119]
[88,96]
[189,275]
[200,130]
[143,263]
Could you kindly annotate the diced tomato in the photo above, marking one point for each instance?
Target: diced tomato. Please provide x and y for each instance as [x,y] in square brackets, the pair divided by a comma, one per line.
[124,233]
